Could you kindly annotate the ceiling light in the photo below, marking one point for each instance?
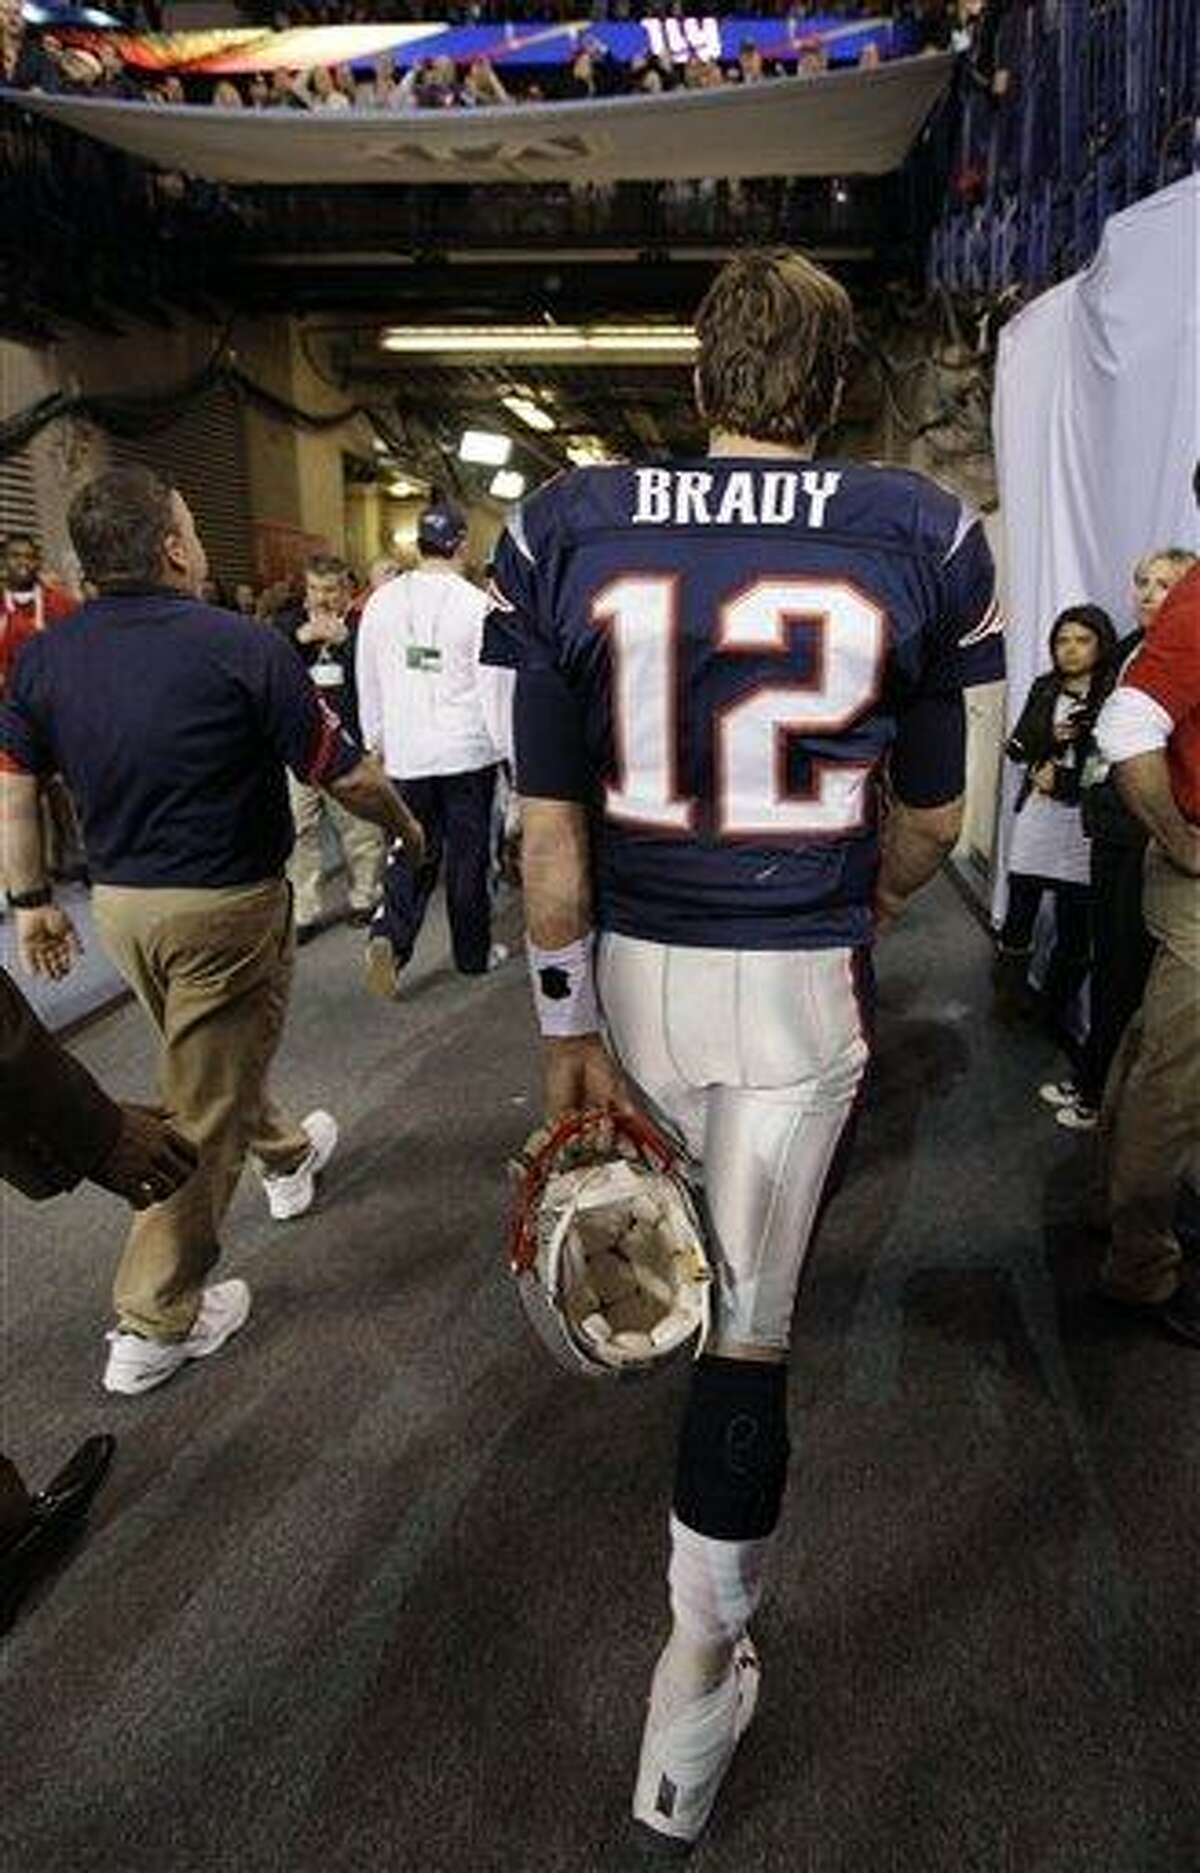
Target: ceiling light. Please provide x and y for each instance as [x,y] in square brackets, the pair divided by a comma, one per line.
[507,485]
[645,344]
[403,487]
[586,452]
[530,413]
[486,446]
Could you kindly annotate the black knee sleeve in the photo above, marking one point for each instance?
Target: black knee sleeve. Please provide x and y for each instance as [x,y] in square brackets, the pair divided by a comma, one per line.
[733,1449]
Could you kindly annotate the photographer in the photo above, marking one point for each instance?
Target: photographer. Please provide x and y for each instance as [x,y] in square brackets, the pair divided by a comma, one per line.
[1049,851]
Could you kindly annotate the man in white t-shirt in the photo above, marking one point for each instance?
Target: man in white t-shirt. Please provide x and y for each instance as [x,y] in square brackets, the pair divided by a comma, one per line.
[442,724]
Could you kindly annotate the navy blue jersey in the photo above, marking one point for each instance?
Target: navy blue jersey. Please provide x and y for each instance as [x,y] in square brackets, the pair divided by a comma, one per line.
[720,658]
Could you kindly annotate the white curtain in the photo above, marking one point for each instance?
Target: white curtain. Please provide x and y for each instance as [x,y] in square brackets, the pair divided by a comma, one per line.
[1097,428]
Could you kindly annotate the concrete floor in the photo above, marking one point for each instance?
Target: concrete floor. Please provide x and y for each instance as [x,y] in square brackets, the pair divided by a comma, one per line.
[378,1588]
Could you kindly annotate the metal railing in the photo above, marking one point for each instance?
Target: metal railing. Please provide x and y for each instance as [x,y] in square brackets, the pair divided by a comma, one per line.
[1091,105]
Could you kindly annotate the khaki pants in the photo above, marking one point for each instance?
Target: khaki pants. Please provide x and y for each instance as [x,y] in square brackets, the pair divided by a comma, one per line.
[362,849]
[212,969]
[1150,1127]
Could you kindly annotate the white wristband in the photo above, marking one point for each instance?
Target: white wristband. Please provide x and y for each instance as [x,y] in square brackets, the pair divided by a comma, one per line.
[564,989]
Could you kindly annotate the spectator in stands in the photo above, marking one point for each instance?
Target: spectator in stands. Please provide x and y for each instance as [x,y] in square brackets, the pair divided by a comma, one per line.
[751,67]
[324,629]
[1048,851]
[1122,947]
[481,86]
[259,92]
[25,63]
[227,97]
[437,88]
[813,58]
[318,90]
[1150,731]
[286,92]
[245,598]
[115,81]
[173,723]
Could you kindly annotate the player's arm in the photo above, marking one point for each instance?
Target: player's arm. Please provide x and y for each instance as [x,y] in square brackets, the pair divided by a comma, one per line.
[928,765]
[928,762]
[580,1071]
[915,842]
[554,785]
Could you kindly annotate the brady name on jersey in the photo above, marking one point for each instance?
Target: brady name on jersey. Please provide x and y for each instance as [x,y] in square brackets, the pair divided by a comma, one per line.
[739,651]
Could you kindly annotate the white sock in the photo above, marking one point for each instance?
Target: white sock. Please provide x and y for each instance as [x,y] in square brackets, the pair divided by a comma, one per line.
[715,1588]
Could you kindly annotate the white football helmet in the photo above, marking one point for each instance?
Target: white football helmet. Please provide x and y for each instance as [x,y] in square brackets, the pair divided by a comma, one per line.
[608,1247]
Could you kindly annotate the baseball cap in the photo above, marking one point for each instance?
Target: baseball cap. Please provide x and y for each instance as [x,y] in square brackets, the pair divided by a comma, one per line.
[441,528]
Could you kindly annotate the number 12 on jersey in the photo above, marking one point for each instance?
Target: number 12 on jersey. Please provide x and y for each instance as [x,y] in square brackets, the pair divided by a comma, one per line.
[640,613]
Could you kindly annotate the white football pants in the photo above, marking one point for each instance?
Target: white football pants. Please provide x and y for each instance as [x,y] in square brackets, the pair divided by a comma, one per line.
[754,1058]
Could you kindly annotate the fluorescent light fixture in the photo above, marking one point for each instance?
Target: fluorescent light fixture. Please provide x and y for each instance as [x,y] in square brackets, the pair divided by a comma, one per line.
[530,413]
[646,344]
[486,446]
[402,488]
[507,485]
[379,445]
[586,452]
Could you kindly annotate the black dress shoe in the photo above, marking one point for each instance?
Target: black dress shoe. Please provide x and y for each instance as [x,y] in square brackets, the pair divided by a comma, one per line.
[1178,1316]
[56,1515]
[1181,1314]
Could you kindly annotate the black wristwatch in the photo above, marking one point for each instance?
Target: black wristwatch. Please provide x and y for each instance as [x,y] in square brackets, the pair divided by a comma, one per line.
[31,900]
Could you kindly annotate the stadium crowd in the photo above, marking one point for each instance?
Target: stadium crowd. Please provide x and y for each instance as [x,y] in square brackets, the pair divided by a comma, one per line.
[45,61]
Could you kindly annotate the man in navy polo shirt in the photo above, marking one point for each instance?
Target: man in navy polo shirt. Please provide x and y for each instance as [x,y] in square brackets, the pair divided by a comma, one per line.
[174,724]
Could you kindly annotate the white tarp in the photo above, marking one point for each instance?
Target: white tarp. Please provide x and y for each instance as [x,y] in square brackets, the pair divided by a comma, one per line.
[833,124]
[1097,428]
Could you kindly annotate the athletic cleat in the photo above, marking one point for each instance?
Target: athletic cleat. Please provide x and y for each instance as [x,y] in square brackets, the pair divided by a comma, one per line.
[684,1761]
[290,1193]
[497,956]
[1077,1117]
[1058,1093]
[136,1364]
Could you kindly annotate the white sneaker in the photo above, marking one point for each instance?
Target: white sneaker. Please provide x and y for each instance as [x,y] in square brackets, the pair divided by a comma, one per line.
[1077,1117]
[496,955]
[1058,1093]
[135,1364]
[290,1193]
[683,1761]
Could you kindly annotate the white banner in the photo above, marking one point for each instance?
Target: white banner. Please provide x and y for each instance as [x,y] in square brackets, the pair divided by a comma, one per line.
[832,124]
[1097,427]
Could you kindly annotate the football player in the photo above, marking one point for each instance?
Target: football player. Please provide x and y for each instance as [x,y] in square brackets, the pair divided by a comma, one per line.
[740,750]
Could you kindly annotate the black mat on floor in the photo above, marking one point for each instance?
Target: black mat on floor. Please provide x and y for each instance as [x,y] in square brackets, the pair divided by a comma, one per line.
[378,1589]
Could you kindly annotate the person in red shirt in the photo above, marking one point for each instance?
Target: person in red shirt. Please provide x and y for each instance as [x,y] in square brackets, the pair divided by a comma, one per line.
[1150,731]
[27,601]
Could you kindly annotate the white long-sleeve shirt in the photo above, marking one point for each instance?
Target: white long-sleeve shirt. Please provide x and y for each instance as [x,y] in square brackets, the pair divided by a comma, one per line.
[425,702]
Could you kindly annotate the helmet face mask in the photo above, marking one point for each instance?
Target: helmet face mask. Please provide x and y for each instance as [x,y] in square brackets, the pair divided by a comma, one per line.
[608,1248]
